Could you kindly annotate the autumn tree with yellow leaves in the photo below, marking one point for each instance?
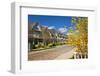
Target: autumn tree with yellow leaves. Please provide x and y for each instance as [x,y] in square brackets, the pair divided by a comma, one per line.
[78,37]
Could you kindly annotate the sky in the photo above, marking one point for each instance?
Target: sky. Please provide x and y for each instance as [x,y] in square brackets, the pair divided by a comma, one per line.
[61,23]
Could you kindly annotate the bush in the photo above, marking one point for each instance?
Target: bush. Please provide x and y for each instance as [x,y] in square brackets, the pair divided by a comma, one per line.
[50,45]
[36,45]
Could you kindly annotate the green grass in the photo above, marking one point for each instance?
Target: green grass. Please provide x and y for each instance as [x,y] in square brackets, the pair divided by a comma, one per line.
[39,49]
[44,48]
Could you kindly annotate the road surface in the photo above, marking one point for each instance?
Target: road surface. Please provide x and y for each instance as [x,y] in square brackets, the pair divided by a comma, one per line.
[59,52]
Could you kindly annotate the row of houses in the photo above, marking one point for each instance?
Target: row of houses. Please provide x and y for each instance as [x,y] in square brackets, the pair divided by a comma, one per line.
[40,34]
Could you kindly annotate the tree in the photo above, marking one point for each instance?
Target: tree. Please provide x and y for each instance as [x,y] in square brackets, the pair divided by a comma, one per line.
[79,36]
[46,35]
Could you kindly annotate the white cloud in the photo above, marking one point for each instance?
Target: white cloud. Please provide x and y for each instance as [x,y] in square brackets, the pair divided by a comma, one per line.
[44,26]
[62,30]
[51,27]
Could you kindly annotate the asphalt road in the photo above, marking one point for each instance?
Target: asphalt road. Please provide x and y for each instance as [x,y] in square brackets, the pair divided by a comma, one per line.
[51,54]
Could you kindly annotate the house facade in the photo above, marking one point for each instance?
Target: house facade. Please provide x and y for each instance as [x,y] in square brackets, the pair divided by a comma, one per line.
[42,36]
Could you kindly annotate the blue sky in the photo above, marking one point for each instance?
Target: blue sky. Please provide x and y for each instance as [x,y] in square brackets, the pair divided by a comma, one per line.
[61,23]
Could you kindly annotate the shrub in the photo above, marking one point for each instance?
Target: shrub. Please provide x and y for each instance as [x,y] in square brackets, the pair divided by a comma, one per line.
[50,45]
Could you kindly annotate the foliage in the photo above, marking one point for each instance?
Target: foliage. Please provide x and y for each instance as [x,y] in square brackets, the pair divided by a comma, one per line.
[46,36]
[79,36]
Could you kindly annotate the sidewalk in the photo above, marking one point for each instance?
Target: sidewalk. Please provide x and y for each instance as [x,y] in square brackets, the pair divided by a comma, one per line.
[66,55]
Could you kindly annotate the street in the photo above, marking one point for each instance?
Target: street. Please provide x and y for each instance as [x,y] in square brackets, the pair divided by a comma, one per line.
[59,52]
